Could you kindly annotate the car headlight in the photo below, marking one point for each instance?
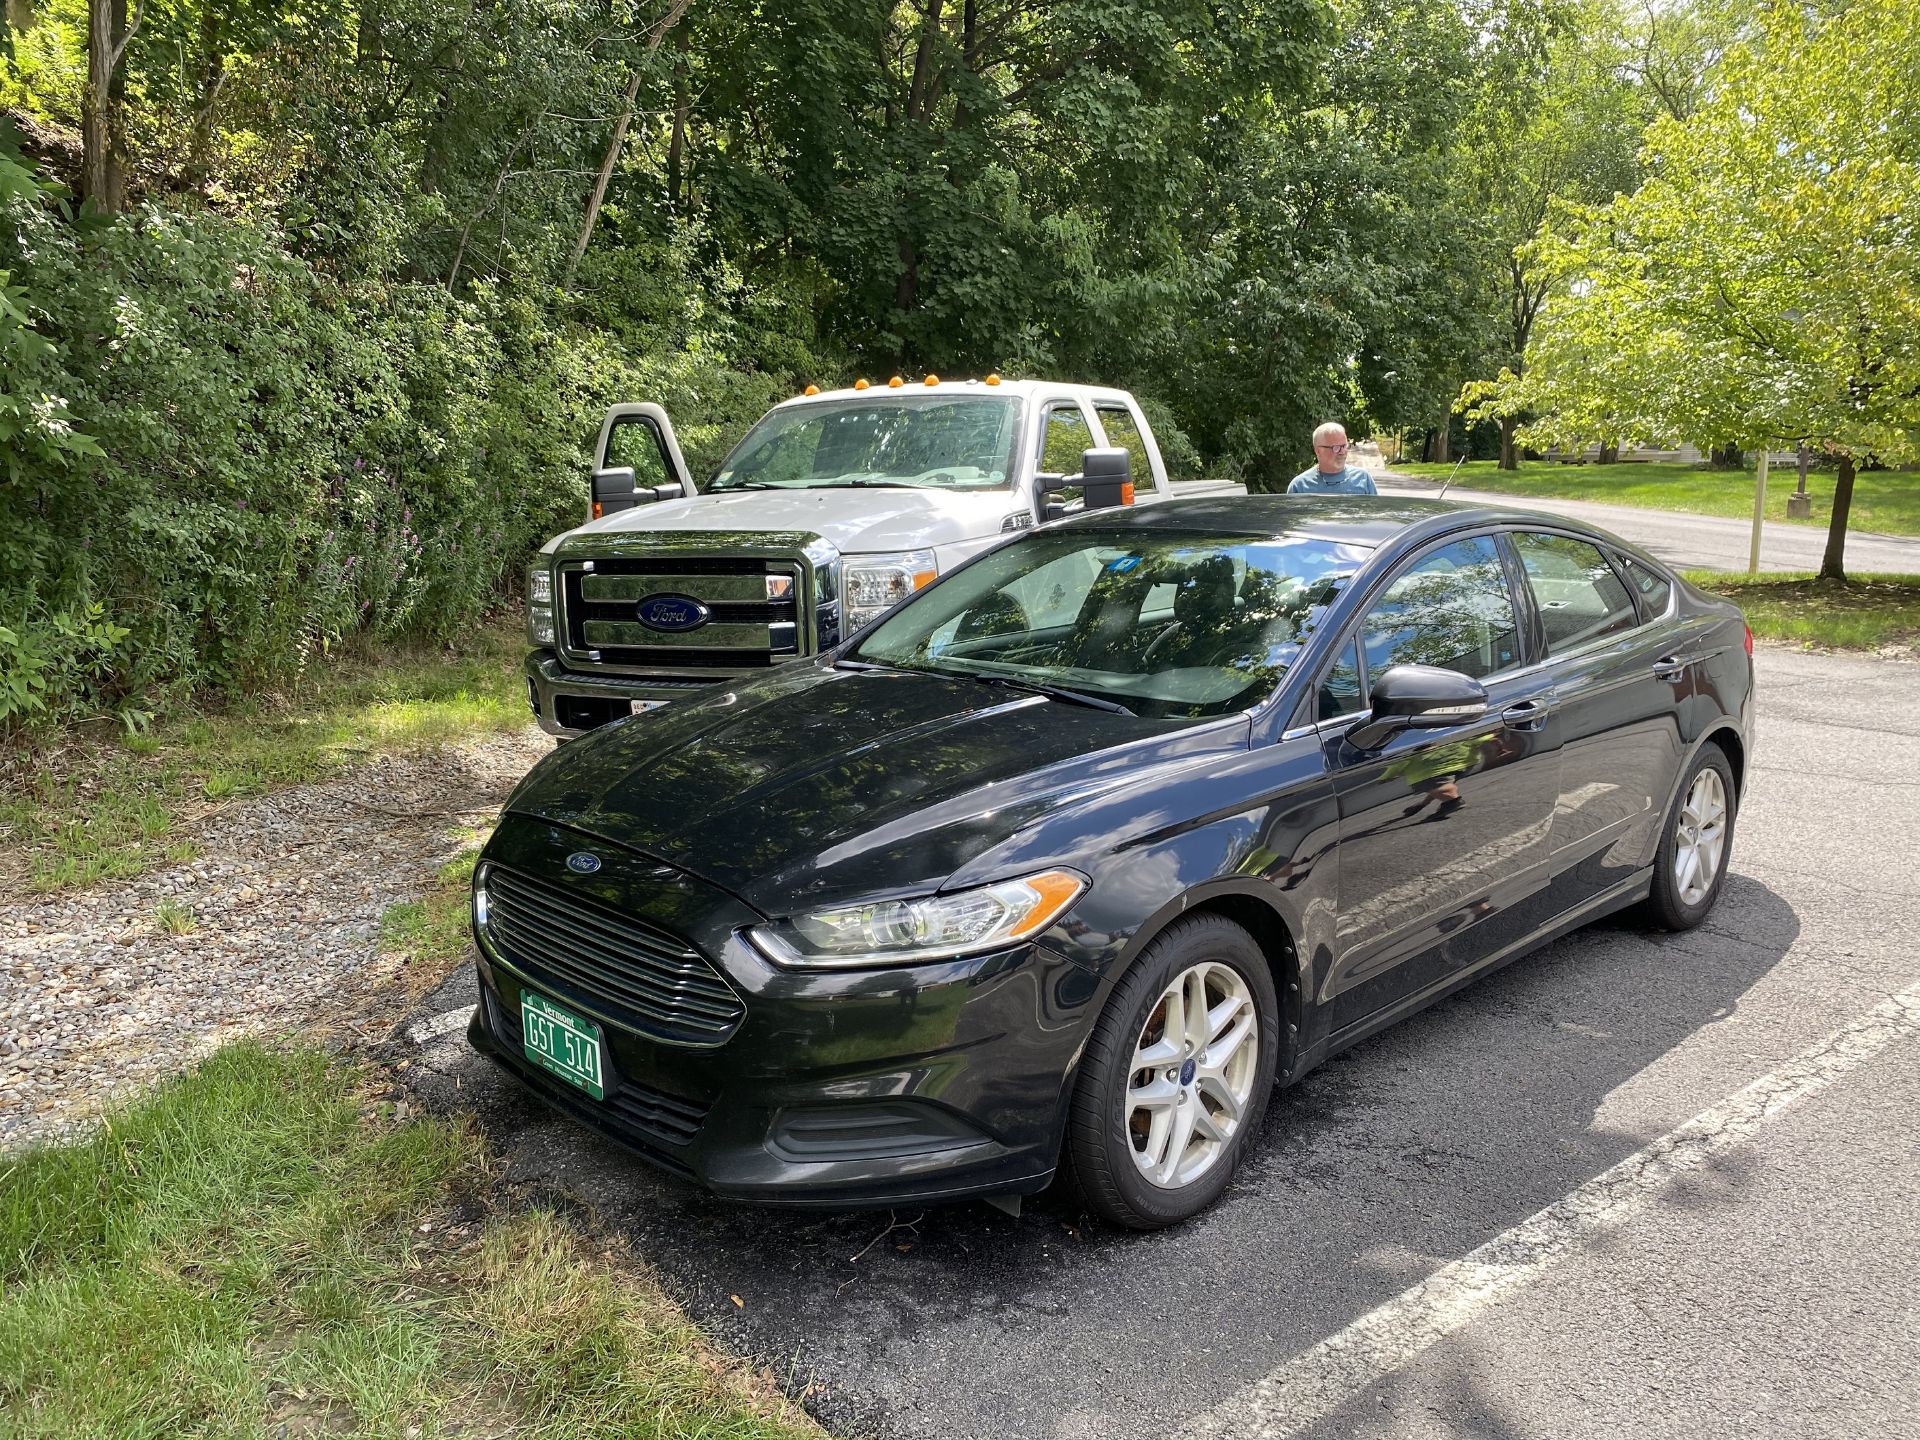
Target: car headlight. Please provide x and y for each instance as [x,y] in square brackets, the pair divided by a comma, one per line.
[540,604]
[871,583]
[908,932]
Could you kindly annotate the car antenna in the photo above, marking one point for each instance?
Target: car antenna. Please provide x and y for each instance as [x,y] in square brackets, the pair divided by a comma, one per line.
[1449,480]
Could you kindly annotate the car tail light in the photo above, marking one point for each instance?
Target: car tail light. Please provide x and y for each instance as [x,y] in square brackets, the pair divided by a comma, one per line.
[1749,642]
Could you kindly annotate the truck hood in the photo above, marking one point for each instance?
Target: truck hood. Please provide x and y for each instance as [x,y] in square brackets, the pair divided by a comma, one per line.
[866,520]
[814,785]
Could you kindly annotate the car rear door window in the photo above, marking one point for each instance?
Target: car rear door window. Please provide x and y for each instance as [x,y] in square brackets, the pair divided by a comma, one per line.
[1450,608]
[1578,595]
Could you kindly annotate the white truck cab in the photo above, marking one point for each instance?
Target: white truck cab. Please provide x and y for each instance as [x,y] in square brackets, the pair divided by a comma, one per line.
[833,507]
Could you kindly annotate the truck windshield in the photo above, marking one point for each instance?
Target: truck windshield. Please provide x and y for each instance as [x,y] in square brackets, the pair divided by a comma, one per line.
[1172,624]
[948,442]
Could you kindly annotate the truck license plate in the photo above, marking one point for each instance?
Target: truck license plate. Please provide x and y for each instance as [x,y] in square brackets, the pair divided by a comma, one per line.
[558,1040]
[641,705]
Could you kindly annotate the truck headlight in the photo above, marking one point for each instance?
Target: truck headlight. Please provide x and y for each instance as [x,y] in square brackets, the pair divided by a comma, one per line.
[871,583]
[908,932]
[539,604]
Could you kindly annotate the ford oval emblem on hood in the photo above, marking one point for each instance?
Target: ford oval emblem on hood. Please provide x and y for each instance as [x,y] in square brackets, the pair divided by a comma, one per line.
[672,612]
[583,862]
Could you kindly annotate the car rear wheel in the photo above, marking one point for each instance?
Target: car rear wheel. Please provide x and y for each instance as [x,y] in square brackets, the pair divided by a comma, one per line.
[1176,1076]
[1694,850]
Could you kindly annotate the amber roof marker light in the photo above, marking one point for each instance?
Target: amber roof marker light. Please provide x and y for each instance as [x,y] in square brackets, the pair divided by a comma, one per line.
[860,384]
[895,383]
[811,390]
[993,379]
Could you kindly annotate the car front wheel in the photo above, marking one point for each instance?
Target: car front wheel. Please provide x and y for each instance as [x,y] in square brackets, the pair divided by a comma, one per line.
[1176,1076]
[1694,849]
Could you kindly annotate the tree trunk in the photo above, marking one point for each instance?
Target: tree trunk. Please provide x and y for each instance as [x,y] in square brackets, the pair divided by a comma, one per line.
[612,157]
[102,171]
[1509,451]
[1726,457]
[212,79]
[677,142]
[1833,565]
[1610,454]
[1443,441]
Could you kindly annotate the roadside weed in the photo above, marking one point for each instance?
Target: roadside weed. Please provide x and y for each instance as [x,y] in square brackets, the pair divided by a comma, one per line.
[174,918]
[434,928]
[253,1249]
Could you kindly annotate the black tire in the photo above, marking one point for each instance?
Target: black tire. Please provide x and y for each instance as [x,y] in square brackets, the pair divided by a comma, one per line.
[1100,1145]
[1670,906]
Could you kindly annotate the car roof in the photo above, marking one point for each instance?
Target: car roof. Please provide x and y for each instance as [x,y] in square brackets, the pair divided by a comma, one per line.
[1000,389]
[1359,520]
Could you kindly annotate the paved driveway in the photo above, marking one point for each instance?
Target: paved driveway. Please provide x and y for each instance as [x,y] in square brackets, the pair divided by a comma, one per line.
[1701,541]
[1402,1256]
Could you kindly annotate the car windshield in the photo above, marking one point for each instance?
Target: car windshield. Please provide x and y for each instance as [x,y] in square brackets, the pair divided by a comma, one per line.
[932,441]
[1166,624]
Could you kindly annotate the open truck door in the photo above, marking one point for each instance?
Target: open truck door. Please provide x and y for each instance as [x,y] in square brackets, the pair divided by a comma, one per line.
[636,462]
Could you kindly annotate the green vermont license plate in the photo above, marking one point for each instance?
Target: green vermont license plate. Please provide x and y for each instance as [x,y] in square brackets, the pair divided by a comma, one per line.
[561,1041]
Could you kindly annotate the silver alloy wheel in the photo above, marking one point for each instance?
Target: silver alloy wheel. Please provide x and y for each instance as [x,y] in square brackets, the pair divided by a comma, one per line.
[1192,1074]
[1701,837]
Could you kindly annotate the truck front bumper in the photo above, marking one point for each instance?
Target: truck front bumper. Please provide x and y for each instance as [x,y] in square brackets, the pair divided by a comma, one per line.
[567,703]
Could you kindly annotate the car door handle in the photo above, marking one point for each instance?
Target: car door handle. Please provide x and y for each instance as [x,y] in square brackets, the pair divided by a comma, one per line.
[1671,667]
[1527,714]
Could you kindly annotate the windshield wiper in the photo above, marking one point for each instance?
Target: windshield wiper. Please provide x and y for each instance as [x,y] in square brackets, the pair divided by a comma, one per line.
[876,665]
[867,485]
[743,485]
[1054,692]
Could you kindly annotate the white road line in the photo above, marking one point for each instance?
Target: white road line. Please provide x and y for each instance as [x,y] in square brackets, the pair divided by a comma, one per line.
[439,1025]
[1320,1381]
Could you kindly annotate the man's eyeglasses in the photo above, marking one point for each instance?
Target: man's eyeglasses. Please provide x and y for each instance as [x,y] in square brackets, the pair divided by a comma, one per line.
[1332,449]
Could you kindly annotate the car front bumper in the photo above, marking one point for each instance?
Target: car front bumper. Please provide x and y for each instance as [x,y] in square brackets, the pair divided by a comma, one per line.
[840,1089]
[568,703]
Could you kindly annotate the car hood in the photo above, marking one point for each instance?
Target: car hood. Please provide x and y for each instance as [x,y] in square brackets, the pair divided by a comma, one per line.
[859,521]
[813,785]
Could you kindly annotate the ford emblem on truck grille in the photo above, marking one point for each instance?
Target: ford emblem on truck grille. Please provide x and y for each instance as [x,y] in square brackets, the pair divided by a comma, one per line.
[672,612]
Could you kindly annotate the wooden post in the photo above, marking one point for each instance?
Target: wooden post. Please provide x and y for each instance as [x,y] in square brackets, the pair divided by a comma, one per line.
[1759,511]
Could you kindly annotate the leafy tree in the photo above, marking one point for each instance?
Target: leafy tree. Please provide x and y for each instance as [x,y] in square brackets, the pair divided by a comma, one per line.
[1763,284]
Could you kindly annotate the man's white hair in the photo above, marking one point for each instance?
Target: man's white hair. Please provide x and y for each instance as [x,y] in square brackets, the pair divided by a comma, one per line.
[1332,430]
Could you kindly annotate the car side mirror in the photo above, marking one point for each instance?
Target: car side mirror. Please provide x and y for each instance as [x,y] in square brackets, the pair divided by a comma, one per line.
[1417,697]
[1049,482]
[614,489]
[1106,477]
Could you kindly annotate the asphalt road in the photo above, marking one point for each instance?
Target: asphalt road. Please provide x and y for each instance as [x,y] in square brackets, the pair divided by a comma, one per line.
[1480,1223]
[1701,541]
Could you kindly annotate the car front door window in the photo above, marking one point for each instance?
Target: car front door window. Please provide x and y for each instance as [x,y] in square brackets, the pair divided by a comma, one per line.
[1451,609]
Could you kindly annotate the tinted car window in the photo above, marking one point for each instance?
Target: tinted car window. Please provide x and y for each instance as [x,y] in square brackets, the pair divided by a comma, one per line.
[1167,623]
[1451,609]
[1655,590]
[1578,595]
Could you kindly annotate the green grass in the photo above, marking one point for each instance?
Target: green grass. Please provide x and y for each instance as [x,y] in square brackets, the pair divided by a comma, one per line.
[80,807]
[432,931]
[1867,612]
[259,1248]
[174,918]
[1884,501]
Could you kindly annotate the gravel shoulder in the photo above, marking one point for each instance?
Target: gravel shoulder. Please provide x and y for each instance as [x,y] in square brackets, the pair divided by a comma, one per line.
[98,997]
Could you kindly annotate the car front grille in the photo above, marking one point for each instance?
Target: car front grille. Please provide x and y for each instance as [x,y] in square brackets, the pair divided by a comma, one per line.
[600,602]
[646,1114]
[639,977]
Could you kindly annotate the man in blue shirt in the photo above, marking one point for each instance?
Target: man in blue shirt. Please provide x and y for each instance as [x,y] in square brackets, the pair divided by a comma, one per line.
[1331,475]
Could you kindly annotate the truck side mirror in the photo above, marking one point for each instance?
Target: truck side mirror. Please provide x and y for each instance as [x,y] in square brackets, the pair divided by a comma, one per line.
[614,490]
[1106,477]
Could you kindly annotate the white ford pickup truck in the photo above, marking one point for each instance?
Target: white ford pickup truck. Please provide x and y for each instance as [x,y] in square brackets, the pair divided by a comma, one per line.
[835,505]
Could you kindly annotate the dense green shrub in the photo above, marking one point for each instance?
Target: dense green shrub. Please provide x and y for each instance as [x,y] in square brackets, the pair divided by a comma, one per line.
[219,460]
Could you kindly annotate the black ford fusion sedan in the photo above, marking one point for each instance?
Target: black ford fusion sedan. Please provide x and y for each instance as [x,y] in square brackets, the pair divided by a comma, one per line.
[1070,858]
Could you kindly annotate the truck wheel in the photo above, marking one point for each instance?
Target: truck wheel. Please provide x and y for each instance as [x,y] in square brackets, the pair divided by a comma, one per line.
[1176,1076]
[1691,864]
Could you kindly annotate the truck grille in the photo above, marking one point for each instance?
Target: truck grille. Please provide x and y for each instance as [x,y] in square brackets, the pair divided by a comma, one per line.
[639,977]
[745,625]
